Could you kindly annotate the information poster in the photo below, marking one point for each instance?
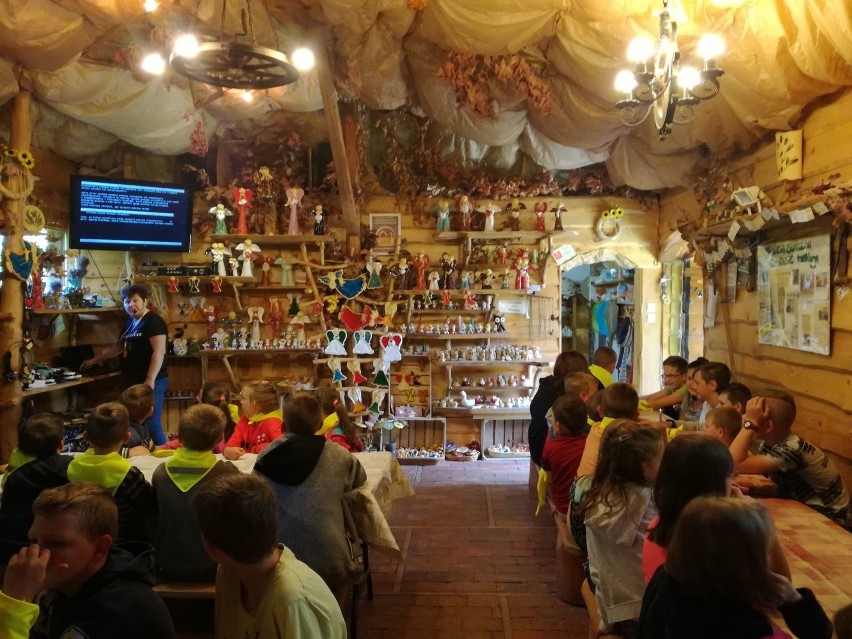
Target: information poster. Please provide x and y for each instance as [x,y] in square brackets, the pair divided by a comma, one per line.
[794,293]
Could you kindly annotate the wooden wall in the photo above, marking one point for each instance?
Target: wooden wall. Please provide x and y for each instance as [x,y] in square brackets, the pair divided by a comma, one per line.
[821,384]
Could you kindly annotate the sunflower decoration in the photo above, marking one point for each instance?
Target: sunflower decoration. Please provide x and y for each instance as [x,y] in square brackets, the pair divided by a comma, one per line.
[25,159]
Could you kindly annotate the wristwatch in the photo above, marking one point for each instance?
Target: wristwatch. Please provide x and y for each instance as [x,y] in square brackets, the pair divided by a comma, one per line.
[749,425]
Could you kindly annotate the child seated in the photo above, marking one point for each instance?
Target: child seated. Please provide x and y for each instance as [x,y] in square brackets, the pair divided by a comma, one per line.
[261,423]
[616,506]
[34,466]
[336,425]
[670,397]
[723,423]
[139,402]
[736,395]
[718,580]
[214,394]
[800,470]
[603,364]
[107,430]
[710,380]
[88,587]
[262,590]
[619,401]
[584,386]
[561,456]
[178,549]
[690,407]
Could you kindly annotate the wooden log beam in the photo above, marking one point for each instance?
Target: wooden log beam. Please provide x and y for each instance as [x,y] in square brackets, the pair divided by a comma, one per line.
[12,293]
[338,149]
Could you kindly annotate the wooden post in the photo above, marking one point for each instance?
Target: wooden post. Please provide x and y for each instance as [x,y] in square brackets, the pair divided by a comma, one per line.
[12,293]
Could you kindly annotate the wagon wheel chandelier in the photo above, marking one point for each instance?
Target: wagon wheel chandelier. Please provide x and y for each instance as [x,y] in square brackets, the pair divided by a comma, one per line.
[660,85]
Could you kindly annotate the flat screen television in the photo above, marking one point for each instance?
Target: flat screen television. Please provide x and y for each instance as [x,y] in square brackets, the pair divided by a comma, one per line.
[117,214]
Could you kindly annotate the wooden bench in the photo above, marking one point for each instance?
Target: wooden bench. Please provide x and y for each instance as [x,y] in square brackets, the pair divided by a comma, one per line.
[569,562]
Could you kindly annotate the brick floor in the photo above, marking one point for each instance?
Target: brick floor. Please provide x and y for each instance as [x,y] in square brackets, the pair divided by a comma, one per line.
[476,563]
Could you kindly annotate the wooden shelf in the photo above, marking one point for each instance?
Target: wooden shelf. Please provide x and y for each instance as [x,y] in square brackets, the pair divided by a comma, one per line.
[458,336]
[229,279]
[516,236]
[721,229]
[225,352]
[449,311]
[278,289]
[517,362]
[473,291]
[483,413]
[86,379]
[273,240]
[489,389]
[75,311]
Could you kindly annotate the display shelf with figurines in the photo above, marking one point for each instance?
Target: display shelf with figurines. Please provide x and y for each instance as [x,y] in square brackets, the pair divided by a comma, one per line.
[274,240]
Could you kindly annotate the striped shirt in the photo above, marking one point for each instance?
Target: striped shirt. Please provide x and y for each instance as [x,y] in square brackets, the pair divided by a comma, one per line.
[806,475]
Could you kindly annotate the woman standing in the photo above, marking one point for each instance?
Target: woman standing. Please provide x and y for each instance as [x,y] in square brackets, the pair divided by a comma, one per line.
[142,347]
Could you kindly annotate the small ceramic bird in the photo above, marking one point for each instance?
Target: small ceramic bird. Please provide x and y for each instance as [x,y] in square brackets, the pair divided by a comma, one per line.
[467,403]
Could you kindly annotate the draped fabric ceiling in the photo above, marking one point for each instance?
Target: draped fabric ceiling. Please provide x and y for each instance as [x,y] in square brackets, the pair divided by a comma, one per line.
[79,58]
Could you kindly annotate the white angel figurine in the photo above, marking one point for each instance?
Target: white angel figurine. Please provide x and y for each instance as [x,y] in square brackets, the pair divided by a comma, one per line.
[294,201]
[248,249]
[220,212]
[286,265]
[489,210]
[299,321]
[218,253]
[255,315]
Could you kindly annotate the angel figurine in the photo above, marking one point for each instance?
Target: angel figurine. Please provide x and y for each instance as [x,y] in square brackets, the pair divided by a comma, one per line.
[265,264]
[242,200]
[173,283]
[255,316]
[443,209]
[194,284]
[319,220]
[515,207]
[212,314]
[220,212]
[248,249]
[465,211]
[522,267]
[539,208]
[420,262]
[434,280]
[448,265]
[374,267]
[489,210]
[234,263]
[503,253]
[402,269]
[217,252]
[216,283]
[286,265]
[294,201]
[557,217]
[465,279]
[505,276]
[487,278]
[299,321]
[274,315]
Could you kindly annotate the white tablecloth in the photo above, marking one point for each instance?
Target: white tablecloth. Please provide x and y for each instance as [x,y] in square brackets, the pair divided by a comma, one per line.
[370,504]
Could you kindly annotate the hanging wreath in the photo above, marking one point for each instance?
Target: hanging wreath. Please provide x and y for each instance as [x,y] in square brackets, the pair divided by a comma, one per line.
[27,163]
[610,219]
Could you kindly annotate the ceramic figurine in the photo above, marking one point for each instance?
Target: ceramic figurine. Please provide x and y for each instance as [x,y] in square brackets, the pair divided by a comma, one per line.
[465,279]
[465,211]
[502,253]
[516,207]
[248,249]
[220,213]
[487,278]
[443,209]
[319,220]
[539,208]
[434,279]
[489,210]
[299,321]
[217,252]
[216,283]
[242,200]
[265,264]
[420,262]
[522,267]
[402,272]
[212,314]
[374,267]
[448,265]
[194,284]
[505,276]
[286,265]
[264,182]
[294,201]
[181,306]
[294,304]
[173,283]
[499,324]
[234,263]
[274,315]
[557,216]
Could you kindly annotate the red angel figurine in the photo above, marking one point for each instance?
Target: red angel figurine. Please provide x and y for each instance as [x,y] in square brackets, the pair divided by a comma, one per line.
[420,262]
[216,282]
[242,201]
[539,208]
[265,265]
[274,315]
[522,266]
[173,284]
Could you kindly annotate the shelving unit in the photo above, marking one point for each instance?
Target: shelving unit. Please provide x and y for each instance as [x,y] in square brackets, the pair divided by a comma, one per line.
[226,354]
[86,379]
[73,316]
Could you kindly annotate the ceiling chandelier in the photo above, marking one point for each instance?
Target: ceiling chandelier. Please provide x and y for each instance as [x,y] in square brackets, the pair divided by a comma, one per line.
[231,63]
[659,84]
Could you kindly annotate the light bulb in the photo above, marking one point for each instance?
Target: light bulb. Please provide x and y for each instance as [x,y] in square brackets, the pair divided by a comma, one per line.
[640,50]
[154,64]
[710,46]
[688,77]
[151,5]
[303,59]
[247,96]
[625,82]
[186,46]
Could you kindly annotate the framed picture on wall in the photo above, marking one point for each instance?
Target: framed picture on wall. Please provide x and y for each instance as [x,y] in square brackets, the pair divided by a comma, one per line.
[387,228]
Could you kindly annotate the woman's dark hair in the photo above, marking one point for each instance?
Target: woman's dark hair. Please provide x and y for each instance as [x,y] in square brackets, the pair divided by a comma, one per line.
[692,466]
[569,362]
[130,290]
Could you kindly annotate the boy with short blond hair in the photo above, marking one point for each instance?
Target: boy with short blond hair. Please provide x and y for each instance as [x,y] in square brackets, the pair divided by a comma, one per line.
[108,429]
[34,466]
[562,454]
[723,423]
[179,550]
[262,590]
[80,583]
[618,401]
[139,402]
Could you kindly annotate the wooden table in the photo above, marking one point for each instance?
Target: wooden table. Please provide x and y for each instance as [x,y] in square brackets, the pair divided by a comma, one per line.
[819,552]
[371,504]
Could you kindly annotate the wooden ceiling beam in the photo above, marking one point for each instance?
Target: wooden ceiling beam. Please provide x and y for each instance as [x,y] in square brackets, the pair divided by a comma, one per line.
[338,150]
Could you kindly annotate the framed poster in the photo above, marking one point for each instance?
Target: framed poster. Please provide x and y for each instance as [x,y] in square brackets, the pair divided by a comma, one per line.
[387,227]
[794,294]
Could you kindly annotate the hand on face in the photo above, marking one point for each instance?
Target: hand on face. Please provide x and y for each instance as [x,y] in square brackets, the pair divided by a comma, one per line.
[25,576]
[758,411]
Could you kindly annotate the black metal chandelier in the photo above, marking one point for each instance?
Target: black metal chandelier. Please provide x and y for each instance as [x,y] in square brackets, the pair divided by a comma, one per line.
[660,85]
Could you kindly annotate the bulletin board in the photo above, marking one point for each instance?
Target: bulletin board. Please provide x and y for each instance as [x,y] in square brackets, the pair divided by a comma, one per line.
[794,294]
